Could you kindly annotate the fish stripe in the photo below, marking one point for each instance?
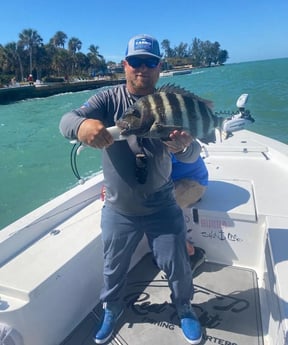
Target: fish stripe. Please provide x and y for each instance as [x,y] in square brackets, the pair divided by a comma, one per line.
[185,120]
[166,110]
[206,119]
[191,114]
[157,104]
[144,106]
[199,119]
[176,111]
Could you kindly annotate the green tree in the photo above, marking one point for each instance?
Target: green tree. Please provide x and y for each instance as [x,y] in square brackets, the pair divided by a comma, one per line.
[74,45]
[168,51]
[215,49]
[181,50]
[82,63]
[44,61]
[94,52]
[61,62]
[96,60]
[30,54]
[3,66]
[196,52]
[29,40]
[59,39]
[14,61]
[222,56]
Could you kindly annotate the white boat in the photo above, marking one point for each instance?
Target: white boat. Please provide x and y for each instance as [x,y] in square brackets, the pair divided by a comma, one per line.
[51,261]
[170,73]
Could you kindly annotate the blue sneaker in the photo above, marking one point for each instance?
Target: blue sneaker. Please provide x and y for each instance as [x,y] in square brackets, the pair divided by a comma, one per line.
[108,325]
[190,324]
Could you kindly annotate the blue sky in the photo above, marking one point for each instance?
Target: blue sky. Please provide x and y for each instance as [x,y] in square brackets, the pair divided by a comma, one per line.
[247,29]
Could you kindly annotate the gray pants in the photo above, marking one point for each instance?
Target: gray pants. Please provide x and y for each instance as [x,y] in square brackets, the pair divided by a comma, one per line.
[166,232]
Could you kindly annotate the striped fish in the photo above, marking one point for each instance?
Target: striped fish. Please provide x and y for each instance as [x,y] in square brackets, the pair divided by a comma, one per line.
[170,108]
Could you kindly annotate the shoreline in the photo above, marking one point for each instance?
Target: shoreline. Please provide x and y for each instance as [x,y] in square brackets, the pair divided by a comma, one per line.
[19,93]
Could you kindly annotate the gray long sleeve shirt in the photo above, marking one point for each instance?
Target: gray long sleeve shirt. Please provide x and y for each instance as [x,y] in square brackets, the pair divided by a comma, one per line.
[123,191]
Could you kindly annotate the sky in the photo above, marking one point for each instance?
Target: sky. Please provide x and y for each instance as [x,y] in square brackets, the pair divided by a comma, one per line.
[248,29]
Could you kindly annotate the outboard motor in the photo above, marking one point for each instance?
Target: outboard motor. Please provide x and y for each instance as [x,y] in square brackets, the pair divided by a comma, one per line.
[239,120]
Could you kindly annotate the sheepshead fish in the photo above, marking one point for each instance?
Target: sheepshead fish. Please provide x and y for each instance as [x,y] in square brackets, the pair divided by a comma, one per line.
[170,108]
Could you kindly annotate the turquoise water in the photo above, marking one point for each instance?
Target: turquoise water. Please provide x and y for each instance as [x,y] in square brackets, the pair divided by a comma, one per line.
[34,157]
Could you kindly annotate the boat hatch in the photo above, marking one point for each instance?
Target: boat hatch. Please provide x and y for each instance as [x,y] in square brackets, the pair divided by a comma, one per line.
[226,301]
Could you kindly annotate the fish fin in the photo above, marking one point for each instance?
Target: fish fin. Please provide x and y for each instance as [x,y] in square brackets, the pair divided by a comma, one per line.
[172,88]
[159,130]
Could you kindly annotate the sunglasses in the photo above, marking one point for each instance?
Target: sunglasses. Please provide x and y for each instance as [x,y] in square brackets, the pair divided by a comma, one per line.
[137,62]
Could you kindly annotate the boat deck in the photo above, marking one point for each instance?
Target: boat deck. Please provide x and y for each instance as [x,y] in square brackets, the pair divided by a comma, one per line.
[51,260]
[226,301]
[226,292]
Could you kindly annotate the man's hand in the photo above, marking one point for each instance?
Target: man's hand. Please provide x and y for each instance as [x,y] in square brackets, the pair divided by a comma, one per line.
[179,141]
[93,133]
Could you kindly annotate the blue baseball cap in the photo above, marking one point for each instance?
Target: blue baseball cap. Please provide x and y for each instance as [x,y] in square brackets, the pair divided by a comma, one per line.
[143,45]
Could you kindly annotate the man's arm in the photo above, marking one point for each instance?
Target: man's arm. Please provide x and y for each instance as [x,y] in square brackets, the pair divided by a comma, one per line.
[185,148]
[93,133]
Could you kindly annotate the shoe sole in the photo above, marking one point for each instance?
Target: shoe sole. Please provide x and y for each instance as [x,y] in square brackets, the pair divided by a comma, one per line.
[103,341]
[193,342]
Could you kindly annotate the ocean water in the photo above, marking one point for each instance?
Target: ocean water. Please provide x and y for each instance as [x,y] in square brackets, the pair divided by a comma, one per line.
[35,158]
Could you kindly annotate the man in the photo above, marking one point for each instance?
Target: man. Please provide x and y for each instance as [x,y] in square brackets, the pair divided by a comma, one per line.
[139,190]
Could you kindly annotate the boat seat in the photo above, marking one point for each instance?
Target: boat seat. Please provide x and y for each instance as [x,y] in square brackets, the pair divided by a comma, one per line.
[235,198]
[227,217]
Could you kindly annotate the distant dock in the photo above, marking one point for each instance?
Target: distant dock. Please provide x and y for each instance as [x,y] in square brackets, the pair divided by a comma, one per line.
[170,73]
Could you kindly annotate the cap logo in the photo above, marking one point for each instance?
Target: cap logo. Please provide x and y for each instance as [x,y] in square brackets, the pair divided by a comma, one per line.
[143,44]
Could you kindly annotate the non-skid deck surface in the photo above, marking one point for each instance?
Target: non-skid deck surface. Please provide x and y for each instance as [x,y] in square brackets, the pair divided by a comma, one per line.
[225,300]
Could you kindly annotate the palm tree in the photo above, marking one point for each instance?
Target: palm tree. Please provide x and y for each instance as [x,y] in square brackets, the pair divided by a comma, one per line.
[96,60]
[59,39]
[74,45]
[82,63]
[13,56]
[60,61]
[94,51]
[29,39]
